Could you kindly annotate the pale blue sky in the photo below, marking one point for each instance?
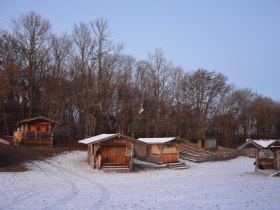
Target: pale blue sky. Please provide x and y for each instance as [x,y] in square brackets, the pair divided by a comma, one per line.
[240,38]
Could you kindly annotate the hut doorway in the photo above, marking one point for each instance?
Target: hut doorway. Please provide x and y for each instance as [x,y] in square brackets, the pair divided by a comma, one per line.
[112,155]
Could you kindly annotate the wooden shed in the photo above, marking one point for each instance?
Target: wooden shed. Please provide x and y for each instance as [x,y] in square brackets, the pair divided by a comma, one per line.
[267,153]
[158,150]
[35,131]
[110,152]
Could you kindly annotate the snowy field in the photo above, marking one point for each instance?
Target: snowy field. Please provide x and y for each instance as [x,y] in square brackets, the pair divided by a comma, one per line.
[67,182]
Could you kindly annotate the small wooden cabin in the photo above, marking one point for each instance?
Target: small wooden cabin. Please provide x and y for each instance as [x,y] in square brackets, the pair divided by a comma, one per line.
[110,152]
[158,150]
[267,153]
[35,131]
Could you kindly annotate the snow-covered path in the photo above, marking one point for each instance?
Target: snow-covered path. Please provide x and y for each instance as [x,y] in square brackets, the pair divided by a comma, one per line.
[68,182]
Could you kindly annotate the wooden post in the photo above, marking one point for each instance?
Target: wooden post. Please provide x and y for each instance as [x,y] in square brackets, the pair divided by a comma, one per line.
[277,157]
[199,143]
[94,159]
[178,151]
[257,159]
[89,152]
[131,165]
[51,139]
[99,162]
[161,146]
[131,158]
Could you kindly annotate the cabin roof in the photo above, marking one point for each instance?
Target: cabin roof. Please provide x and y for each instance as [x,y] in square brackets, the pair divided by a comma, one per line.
[103,137]
[37,118]
[260,143]
[157,140]
[264,143]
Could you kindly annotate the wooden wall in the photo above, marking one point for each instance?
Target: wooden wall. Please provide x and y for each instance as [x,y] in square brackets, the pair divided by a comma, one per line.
[157,153]
[37,126]
[116,151]
[265,159]
[113,154]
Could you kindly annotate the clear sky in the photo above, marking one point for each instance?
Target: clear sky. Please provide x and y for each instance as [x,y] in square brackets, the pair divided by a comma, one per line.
[240,38]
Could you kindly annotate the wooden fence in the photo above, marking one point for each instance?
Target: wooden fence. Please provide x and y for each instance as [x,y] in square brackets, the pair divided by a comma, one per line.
[37,138]
[199,155]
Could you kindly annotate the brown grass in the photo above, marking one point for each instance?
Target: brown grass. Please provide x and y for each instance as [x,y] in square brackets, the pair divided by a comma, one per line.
[12,159]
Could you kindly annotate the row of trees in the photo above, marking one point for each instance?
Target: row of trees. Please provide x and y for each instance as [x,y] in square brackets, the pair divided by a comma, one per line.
[84,81]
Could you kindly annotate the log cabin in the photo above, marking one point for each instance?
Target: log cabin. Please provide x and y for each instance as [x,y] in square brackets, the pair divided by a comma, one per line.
[35,131]
[110,152]
[267,153]
[158,150]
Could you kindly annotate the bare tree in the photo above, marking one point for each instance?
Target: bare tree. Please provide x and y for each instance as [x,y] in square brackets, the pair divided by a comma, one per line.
[241,103]
[94,67]
[33,34]
[56,98]
[204,91]
[125,106]
[265,117]
[225,123]
[181,114]
[107,54]
[83,75]
[11,89]
[161,78]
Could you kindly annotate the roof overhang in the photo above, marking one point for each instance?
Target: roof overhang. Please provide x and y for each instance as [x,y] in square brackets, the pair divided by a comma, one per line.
[260,143]
[104,137]
[158,140]
[37,118]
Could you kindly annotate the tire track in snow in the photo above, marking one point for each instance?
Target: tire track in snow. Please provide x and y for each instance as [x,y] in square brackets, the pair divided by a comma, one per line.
[105,193]
[25,195]
[74,189]
[29,195]
[22,197]
[47,173]
[64,176]
[19,198]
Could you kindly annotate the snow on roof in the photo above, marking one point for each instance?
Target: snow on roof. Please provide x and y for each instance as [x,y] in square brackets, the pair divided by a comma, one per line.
[264,143]
[156,140]
[259,143]
[97,138]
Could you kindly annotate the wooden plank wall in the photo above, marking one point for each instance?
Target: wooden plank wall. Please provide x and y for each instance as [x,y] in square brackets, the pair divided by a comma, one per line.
[115,151]
[113,154]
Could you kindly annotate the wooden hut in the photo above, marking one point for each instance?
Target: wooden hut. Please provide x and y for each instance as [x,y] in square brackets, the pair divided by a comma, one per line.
[35,131]
[267,153]
[110,152]
[158,150]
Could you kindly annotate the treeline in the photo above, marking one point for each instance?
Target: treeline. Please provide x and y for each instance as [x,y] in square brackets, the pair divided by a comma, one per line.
[87,83]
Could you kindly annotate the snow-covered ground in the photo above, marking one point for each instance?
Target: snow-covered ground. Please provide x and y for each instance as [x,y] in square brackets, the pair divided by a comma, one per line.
[68,182]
